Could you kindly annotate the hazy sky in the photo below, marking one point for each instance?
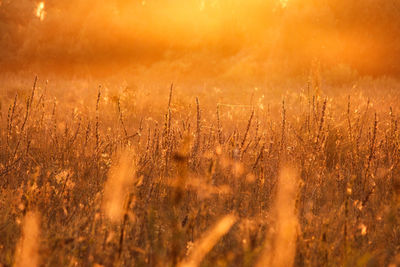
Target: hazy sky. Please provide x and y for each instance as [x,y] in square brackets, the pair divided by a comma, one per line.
[221,33]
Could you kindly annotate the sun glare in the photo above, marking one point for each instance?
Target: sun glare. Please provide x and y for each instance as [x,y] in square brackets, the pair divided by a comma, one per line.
[284,3]
[40,13]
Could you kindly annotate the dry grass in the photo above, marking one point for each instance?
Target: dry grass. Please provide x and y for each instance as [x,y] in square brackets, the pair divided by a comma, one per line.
[138,177]
[280,247]
[26,253]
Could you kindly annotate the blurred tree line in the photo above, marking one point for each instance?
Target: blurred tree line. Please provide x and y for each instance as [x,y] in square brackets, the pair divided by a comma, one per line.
[363,34]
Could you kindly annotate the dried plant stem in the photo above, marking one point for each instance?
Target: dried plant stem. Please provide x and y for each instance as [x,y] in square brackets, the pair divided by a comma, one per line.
[121,119]
[198,129]
[27,252]
[247,130]
[123,225]
[97,120]
[219,126]
[208,241]
[321,122]
[280,247]
[283,125]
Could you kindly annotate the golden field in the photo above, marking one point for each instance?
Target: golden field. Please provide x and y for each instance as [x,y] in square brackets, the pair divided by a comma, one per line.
[143,177]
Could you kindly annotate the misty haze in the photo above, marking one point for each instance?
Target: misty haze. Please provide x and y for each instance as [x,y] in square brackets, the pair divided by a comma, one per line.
[199,133]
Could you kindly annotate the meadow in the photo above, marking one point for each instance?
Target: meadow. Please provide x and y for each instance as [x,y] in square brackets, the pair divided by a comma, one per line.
[136,175]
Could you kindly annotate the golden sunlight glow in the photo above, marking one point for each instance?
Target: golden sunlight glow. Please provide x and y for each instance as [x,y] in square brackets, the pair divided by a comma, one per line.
[40,13]
[196,133]
[284,3]
[247,32]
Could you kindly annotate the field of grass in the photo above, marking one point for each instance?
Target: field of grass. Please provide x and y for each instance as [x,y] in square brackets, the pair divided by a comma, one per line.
[121,175]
